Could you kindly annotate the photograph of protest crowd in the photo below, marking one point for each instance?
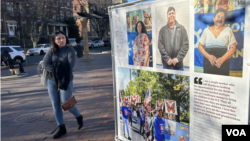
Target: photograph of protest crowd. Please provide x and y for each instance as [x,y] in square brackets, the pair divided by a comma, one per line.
[153,105]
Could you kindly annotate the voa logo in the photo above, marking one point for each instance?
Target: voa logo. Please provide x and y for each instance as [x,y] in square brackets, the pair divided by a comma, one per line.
[236,132]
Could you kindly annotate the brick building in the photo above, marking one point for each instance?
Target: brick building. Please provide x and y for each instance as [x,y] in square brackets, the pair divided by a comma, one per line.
[97,28]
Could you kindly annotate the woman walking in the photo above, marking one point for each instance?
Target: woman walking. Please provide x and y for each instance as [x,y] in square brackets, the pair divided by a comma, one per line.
[60,52]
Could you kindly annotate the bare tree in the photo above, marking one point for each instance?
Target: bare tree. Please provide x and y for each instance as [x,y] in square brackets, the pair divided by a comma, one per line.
[34,15]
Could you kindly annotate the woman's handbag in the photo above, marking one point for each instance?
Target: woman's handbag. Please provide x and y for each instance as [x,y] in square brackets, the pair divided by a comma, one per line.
[68,104]
[44,78]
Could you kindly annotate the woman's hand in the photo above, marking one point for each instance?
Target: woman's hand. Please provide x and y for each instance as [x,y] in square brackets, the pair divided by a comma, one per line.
[212,60]
[146,60]
[226,56]
[219,62]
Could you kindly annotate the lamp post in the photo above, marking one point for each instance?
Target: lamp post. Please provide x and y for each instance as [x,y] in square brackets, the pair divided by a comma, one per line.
[5,25]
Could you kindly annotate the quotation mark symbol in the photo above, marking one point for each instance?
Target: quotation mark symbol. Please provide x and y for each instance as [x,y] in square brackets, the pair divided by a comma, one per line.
[198,80]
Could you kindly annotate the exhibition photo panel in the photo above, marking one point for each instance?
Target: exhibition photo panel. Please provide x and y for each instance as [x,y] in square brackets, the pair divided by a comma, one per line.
[153,104]
[172,35]
[139,33]
[168,64]
[219,37]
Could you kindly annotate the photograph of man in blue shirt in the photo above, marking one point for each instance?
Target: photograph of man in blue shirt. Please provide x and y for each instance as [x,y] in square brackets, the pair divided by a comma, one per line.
[159,126]
[125,112]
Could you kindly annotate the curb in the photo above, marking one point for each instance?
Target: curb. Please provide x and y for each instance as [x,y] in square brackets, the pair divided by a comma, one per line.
[13,77]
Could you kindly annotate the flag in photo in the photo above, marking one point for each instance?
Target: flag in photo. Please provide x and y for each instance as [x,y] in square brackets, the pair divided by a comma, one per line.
[120,97]
[149,108]
[170,106]
[142,109]
[159,105]
[147,98]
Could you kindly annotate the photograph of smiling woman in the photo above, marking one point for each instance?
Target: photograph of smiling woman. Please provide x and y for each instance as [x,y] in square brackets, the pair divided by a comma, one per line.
[141,46]
[217,44]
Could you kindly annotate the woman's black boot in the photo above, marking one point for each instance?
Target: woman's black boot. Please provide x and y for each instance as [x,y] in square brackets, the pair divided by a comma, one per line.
[79,122]
[61,131]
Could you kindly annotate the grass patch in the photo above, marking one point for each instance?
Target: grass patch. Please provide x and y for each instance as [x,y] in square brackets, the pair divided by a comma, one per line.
[185,123]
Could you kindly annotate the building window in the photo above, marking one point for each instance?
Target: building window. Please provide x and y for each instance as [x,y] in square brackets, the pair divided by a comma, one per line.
[10,8]
[68,4]
[54,17]
[68,15]
[62,15]
[11,29]
[82,9]
[51,29]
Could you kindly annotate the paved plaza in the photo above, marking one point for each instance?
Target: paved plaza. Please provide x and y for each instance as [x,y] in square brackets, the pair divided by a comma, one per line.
[26,111]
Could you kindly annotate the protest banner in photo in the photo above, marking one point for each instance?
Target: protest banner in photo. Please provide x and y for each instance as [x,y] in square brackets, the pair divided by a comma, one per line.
[170,107]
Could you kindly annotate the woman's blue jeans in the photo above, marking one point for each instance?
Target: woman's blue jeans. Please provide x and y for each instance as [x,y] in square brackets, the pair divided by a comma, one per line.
[55,101]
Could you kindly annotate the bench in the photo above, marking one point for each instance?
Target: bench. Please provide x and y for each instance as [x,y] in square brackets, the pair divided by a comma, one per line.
[15,70]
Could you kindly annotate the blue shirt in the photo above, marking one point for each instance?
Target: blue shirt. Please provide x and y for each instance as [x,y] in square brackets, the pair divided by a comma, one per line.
[125,112]
[159,128]
[142,117]
[130,110]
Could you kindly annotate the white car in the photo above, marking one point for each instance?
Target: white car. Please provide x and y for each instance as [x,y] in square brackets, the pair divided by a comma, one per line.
[90,43]
[98,43]
[72,42]
[16,53]
[39,49]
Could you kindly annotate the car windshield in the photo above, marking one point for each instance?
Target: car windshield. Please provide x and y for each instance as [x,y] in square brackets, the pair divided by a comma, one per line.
[71,41]
[90,41]
[39,46]
[18,48]
[95,41]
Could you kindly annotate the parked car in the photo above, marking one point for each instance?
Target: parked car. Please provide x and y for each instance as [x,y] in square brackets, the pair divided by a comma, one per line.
[39,49]
[91,44]
[16,53]
[72,42]
[107,43]
[98,43]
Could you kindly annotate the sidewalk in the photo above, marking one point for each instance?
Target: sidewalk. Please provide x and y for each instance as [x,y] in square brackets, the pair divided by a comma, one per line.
[27,112]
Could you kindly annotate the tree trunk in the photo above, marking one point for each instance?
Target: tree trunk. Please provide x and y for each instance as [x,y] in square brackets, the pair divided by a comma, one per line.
[34,44]
[85,37]
[178,114]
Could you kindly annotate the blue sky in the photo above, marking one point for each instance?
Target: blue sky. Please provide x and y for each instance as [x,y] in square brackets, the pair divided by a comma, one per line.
[124,77]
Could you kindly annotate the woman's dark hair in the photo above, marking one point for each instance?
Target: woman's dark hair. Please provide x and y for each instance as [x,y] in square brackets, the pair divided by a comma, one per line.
[53,43]
[217,11]
[144,30]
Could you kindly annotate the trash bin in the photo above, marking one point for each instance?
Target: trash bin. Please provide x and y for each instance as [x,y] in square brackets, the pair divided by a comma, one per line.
[79,51]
